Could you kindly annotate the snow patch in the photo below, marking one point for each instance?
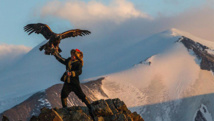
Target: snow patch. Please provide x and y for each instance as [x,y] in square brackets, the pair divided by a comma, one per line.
[212,72]
[197,59]
[131,95]
[210,51]
[44,102]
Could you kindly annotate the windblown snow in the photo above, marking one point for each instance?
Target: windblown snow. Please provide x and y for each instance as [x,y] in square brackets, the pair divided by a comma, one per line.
[176,32]
[176,70]
[158,77]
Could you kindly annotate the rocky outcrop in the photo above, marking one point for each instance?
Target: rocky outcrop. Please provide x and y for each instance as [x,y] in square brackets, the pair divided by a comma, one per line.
[202,53]
[102,110]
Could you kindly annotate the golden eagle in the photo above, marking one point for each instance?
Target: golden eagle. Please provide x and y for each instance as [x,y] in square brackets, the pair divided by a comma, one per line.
[54,39]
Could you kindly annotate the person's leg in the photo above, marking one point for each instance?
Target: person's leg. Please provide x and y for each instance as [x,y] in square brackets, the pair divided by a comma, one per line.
[80,94]
[78,91]
[64,94]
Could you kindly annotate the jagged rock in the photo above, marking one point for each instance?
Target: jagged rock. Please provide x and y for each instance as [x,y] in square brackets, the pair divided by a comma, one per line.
[120,105]
[47,115]
[207,59]
[111,106]
[136,117]
[69,114]
[103,110]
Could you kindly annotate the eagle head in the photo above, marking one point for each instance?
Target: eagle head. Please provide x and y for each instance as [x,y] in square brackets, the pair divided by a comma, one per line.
[58,37]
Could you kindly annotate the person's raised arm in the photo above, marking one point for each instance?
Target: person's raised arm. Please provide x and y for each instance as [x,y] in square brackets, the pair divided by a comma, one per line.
[60,58]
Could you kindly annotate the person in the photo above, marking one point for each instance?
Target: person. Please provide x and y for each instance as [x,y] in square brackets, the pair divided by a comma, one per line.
[70,78]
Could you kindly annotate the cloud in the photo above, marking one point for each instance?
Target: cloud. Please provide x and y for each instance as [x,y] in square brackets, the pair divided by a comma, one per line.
[121,20]
[6,49]
[210,3]
[78,11]
[199,22]
[11,53]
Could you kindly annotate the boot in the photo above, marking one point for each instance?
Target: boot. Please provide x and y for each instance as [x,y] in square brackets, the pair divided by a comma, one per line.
[64,102]
[88,104]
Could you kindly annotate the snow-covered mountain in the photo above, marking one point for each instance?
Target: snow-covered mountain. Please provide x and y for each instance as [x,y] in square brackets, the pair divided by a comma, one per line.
[168,76]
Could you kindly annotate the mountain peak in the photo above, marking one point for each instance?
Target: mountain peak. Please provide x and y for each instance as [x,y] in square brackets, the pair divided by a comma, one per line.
[177,32]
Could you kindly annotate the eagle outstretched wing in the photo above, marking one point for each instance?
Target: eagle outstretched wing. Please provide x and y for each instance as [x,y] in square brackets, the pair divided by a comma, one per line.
[74,33]
[39,28]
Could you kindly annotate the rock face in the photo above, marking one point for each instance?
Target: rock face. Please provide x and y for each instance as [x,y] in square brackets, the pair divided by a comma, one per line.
[103,110]
[202,53]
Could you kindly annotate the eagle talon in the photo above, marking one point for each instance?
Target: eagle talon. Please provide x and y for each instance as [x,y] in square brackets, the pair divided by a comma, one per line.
[54,50]
[40,48]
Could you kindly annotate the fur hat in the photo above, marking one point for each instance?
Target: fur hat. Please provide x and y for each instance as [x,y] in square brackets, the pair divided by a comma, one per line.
[78,54]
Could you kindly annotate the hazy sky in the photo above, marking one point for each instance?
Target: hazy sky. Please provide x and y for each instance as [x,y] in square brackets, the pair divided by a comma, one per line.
[194,16]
